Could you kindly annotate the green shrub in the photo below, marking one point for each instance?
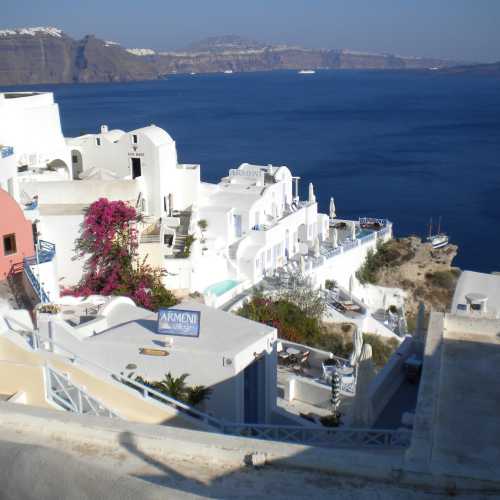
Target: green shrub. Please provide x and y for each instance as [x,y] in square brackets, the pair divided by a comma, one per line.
[388,254]
[443,279]
[290,321]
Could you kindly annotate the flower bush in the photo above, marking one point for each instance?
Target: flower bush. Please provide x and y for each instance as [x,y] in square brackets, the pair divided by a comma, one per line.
[109,243]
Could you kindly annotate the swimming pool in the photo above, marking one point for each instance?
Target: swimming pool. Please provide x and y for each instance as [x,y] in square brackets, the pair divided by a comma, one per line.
[221,287]
[363,233]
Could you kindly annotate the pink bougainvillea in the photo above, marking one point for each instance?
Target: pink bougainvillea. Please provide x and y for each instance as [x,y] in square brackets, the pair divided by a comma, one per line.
[109,243]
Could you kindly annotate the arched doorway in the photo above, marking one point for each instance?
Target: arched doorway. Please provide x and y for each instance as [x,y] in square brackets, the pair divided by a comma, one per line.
[59,166]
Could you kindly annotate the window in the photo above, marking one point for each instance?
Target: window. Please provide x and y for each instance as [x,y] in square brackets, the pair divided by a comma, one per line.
[134,139]
[461,307]
[74,159]
[9,244]
[98,141]
[475,307]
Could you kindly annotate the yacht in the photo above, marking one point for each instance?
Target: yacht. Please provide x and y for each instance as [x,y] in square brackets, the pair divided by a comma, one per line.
[438,240]
[228,72]
[307,72]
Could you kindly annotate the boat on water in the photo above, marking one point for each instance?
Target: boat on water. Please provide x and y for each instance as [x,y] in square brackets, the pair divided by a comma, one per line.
[307,72]
[438,240]
[228,72]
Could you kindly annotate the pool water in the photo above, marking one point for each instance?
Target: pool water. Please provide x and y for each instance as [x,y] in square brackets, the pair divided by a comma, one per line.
[221,288]
[363,233]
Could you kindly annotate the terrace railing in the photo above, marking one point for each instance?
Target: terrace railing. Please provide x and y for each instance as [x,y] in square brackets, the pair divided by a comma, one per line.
[61,391]
[46,252]
[323,436]
[35,284]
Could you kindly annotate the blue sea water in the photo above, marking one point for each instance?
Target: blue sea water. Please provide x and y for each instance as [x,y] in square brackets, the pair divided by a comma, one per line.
[402,145]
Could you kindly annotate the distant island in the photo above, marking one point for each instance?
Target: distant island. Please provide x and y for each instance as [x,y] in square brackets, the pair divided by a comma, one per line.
[48,55]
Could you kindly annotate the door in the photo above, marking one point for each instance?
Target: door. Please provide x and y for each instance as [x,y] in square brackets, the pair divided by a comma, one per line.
[237,226]
[136,168]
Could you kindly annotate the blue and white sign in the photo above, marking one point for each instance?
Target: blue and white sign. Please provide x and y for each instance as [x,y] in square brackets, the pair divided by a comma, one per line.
[179,322]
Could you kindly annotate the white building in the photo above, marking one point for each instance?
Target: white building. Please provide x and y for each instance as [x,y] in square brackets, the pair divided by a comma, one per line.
[217,239]
[30,124]
[477,295]
[233,356]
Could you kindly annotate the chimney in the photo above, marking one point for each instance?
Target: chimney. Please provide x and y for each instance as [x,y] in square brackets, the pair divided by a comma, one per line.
[104,129]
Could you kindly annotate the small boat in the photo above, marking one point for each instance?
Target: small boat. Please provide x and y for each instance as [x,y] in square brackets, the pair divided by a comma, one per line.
[307,72]
[438,240]
[228,72]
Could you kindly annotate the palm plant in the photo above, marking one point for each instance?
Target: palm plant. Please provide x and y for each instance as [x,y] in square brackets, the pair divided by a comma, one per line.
[175,387]
[198,394]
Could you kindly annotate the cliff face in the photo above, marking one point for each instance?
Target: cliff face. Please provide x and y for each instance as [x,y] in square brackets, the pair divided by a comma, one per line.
[47,55]
[35,58]
[271,58]
[98,61]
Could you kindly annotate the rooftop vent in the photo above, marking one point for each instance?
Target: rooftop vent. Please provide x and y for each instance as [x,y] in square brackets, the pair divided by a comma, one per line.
[104,129]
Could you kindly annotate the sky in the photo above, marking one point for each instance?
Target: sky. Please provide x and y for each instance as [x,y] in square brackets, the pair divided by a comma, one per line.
[467,30]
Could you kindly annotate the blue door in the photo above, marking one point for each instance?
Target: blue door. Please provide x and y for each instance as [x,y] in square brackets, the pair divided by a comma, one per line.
[254,391]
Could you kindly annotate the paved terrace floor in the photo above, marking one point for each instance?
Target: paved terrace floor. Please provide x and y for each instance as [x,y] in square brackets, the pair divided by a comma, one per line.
[201,479]
[403,400]
[467,421]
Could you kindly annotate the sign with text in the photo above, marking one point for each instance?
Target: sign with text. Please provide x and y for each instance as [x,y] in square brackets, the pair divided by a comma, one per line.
[179,322]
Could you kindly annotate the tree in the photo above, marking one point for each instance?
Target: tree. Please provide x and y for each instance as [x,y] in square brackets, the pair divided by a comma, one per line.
[109,243]
[298,289]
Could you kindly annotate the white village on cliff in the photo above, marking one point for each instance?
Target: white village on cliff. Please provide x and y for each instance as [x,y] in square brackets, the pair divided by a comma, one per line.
[87,367]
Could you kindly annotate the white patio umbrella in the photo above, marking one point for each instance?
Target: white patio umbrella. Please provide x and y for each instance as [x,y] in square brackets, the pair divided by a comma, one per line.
[332,209]
[302,265]
[316,247]
[419,333]
[362,409]
[335,238]
[312,197]
[357,346]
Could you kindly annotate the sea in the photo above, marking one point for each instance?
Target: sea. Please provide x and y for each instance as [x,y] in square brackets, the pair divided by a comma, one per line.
[406,146]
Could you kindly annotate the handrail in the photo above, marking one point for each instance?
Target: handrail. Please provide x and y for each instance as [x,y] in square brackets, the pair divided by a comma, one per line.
[324,436]
[69,404]
[37,288]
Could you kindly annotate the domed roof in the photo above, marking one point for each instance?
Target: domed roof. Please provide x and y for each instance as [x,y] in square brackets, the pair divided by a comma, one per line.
[155,134]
